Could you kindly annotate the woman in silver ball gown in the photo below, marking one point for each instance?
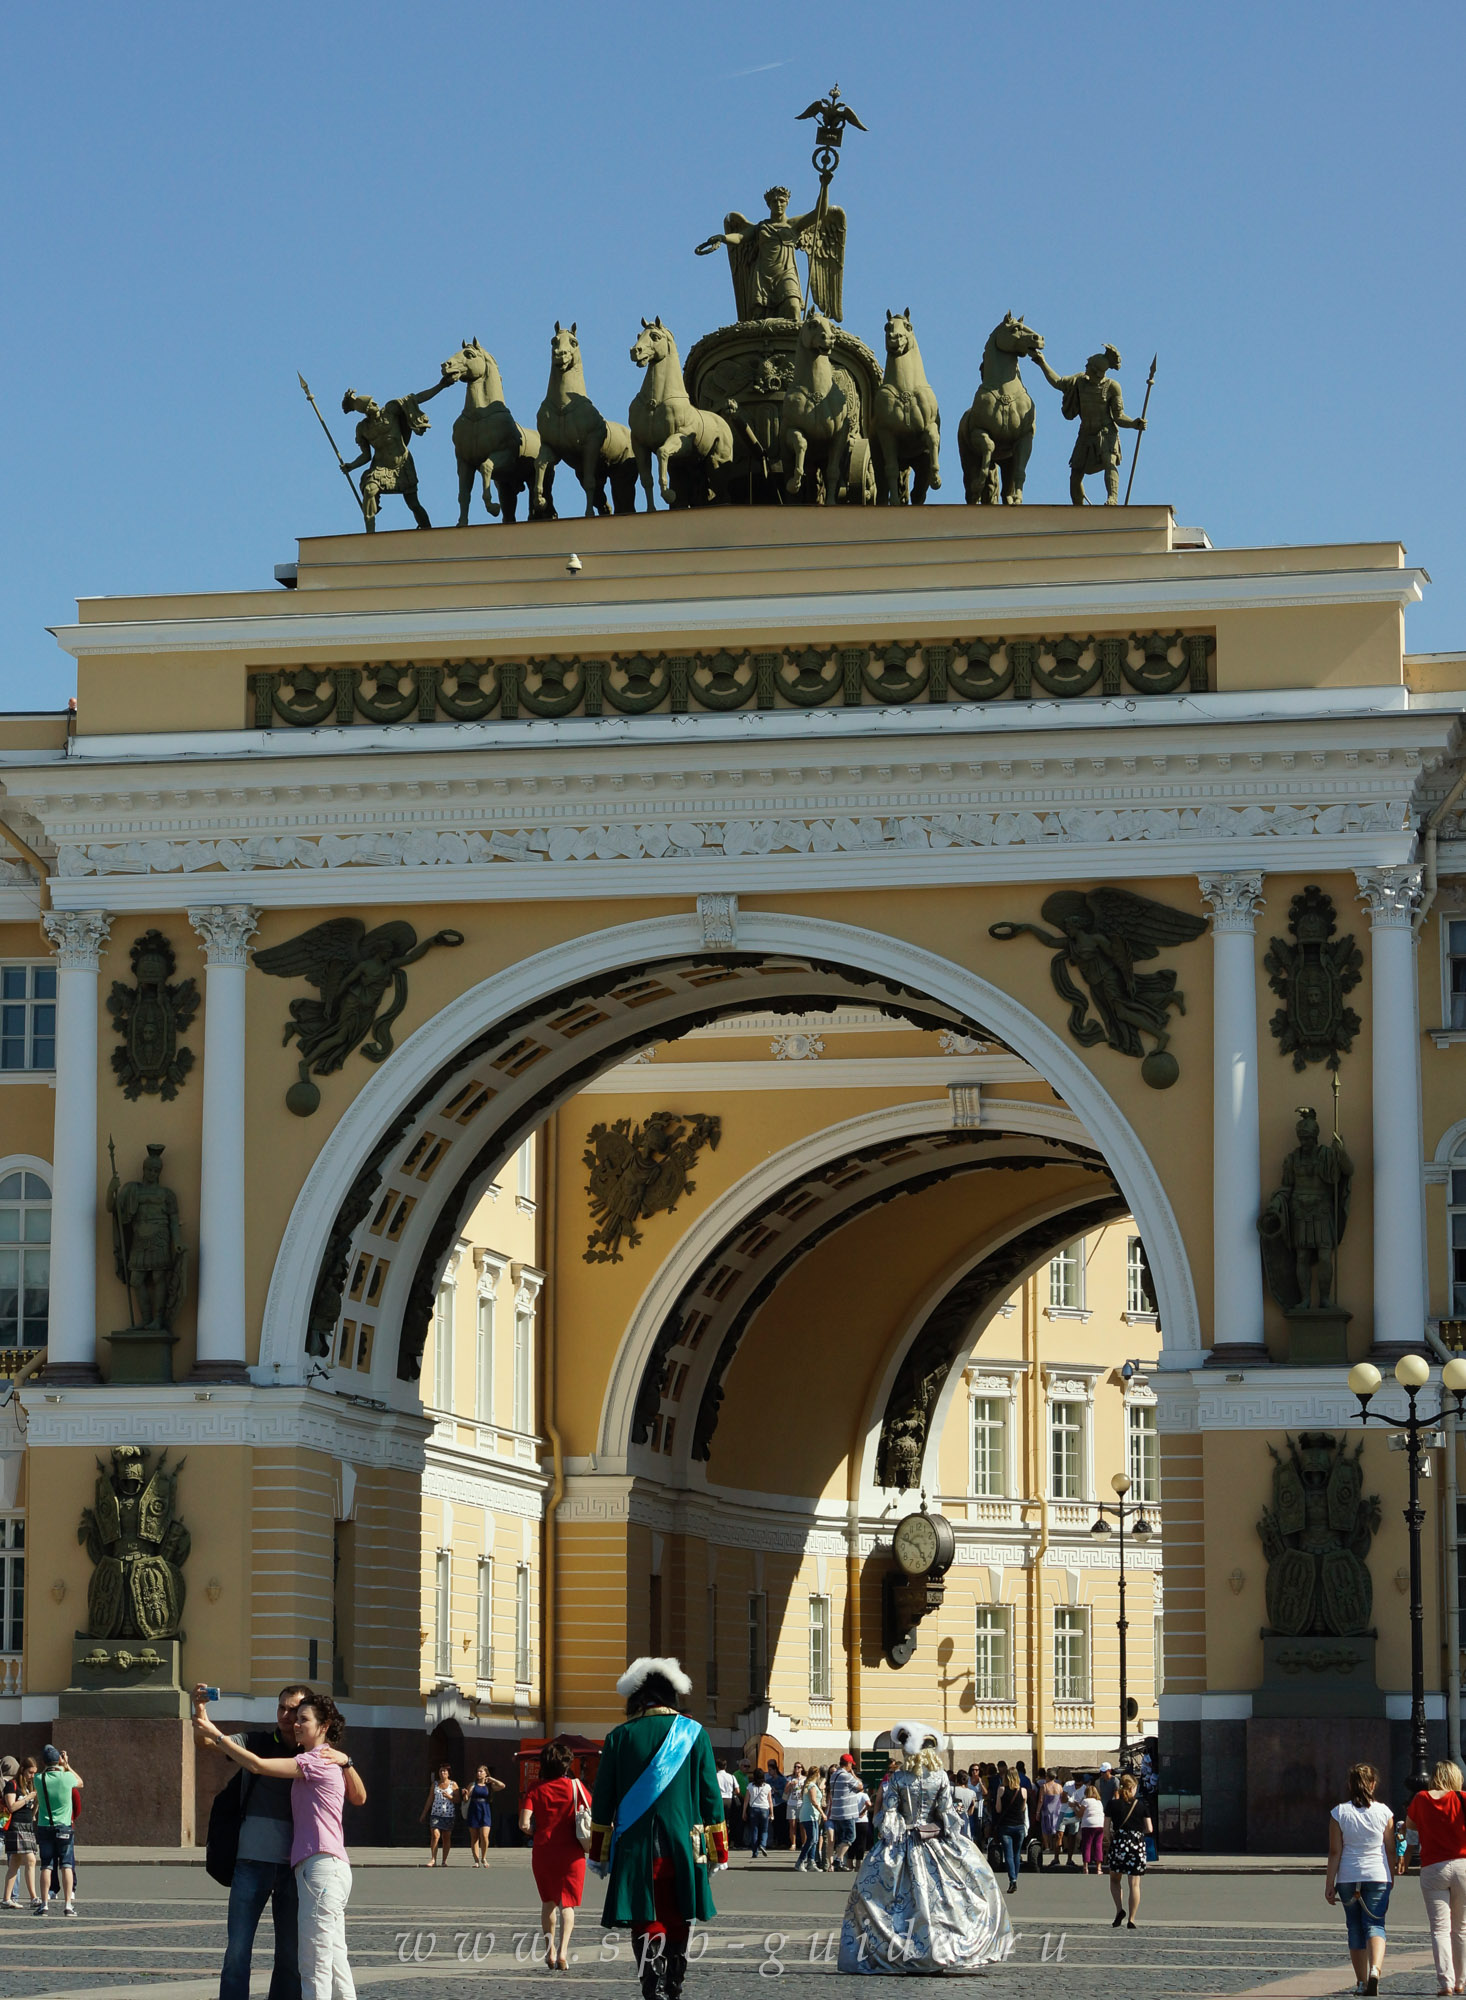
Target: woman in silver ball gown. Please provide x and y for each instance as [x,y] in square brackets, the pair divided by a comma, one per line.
[925,1900]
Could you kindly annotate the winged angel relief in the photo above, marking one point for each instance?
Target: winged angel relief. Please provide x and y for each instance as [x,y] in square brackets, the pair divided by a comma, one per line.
[1101,935]
[637,1170]
[351,968]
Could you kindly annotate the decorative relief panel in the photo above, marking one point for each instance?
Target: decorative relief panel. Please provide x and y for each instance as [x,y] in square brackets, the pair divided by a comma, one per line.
[678,840]
[971,670]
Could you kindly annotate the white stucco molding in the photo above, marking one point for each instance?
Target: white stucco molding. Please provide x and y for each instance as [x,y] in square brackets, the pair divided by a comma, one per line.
[1438,1166]
[438,1040]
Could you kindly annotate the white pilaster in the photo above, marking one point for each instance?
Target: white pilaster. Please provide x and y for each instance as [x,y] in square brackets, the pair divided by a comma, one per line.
[1390,895]
[226,930]
[77,937]
[1236,1165]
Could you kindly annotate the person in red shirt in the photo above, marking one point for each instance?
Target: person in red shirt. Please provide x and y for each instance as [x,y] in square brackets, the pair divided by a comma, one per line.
[1439,1817]
[558,1859]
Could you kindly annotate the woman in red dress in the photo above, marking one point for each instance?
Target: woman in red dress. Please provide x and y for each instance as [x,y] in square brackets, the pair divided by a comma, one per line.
[558,1859]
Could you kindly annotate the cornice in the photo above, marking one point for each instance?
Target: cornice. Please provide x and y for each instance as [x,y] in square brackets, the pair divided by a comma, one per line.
[655,1079]
[576,619]
[184,1417]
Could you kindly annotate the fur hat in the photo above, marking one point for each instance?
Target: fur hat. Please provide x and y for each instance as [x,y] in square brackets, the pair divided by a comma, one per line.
[909,1737]
[641,1671]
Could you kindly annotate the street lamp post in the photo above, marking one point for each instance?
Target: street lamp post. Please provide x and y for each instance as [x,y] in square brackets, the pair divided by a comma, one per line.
[1123,1509]
[1412,1372]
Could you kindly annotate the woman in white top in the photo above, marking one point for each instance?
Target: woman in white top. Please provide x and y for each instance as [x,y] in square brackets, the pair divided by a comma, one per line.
[1361,1831]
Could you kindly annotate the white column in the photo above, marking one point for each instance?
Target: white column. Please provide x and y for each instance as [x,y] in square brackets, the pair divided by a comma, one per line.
[1390,895]
[226,930]
[77,937]
[1236,1166]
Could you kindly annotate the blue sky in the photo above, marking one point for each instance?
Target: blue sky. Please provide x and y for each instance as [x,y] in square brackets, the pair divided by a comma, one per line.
[204,200]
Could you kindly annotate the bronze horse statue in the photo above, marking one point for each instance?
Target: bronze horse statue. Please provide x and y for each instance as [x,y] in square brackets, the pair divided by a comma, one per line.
[667,425]
[905,424]
[487,440]
[995,437]
[573,432]
[817,424]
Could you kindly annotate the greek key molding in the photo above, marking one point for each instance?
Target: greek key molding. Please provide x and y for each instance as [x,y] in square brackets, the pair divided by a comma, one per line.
[968,671]
[1391,895]
[77,937]
[226,929]
[1236,901]
[677,840]
[364,1437]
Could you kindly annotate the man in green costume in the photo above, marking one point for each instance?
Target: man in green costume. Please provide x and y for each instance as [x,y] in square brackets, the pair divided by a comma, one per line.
[657,1824]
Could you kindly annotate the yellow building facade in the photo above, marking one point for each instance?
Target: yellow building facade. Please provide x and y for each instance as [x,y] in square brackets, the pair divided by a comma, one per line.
[737,1173]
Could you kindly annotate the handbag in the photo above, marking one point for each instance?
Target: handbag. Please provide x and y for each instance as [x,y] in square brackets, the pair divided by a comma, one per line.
[582,1815]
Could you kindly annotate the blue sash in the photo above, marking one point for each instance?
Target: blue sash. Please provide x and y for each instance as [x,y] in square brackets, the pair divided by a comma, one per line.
[650,1784]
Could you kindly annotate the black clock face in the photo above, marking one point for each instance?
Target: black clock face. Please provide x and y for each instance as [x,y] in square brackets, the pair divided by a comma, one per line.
[915,1544]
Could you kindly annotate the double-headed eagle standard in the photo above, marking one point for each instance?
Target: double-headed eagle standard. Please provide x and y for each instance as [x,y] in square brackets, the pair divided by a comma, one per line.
[636,1170]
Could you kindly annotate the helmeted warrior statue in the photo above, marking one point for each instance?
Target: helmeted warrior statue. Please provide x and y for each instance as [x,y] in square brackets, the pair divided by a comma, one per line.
[1304,1221]
[658,1825]
[384,438]
[147,1244]
[1095,398]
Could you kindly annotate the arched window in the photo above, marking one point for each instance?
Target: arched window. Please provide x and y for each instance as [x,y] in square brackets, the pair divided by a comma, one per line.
[25,1258]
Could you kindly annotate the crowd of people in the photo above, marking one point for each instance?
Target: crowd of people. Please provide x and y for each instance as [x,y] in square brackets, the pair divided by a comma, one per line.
[38,1805]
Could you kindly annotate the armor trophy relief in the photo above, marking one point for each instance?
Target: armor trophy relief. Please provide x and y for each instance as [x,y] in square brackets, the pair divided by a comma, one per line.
[784,406]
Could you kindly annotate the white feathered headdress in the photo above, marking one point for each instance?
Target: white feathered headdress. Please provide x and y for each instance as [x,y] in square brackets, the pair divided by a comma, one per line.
[910,1737]
[641,1671]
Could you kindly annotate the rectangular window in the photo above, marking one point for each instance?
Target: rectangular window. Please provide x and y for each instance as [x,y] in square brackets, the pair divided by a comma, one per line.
[524,1371]
[1071,1653]
[1137,1279]
[1458,1243]
[819,1649]
[483,1373]
[443,1350]
[525,1163]
[27,1017]
[485,1621]
[989,1454]
[1456,971]
[1066,1278]
[12,1583]
[443,1616]
[712,1644]
[758,1651]
[993,1667]
[1160,1655]
[1144,1454]
[1066,1451]
[522,1663]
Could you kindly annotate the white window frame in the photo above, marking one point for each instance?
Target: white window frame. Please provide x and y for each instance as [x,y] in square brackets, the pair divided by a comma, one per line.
[30,1001]
[443,1305]
[1071,1383]
[1141,1427]
[523,1649]
[820,1657]
[1135,1306]
[1455,1178]
[527,1286]
[29,1163]
[12,1583]
[1066,1420]
[1448,1008]
[1158,1622]
[485,1669]
[1073,1259]
[989,1422]
[1071,1623]
[443,1614]
[992,1621]
[524,1198]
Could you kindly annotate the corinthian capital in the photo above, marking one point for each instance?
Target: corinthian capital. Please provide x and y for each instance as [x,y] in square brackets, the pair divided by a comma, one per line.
[1236,900]
[77,937]
[226,929]
[1390,894]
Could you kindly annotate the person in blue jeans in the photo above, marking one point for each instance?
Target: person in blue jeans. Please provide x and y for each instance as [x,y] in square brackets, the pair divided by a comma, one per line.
[262,1871]
[758,1812]
[1359,1872]
[1010,1822]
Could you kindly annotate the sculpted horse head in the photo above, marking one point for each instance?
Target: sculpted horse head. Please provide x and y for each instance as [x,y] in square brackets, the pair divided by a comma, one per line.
[900,339]
[473,363]
[654,343]
[1013,335]
[817,335]
[564,349]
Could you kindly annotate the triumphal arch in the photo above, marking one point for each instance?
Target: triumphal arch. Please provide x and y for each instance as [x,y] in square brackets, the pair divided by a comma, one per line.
[564,1080]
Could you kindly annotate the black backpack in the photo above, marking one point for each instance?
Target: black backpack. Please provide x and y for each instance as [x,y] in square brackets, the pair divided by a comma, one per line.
[226,1817]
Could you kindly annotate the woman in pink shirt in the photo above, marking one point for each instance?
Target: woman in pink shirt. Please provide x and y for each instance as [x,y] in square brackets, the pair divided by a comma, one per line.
[318,1851]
